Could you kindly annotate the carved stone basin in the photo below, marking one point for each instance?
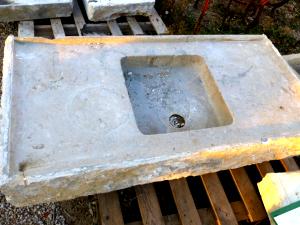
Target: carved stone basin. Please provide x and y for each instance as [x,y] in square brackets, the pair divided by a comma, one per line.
[173,93]
[90,115]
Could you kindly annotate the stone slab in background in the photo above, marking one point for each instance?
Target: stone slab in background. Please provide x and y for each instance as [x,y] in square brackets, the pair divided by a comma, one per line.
[99,10]
[17,10]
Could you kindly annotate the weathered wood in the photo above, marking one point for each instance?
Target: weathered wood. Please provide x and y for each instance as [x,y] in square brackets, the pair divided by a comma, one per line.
[134,26]
[149,205]
[57,27]
[239,210]
[219,202]
[109,209]
[184,201]
[78,18]
[26,29]
[290,164]
[264,168]
[114,28]
[206,215]
[254,206]
[157,23]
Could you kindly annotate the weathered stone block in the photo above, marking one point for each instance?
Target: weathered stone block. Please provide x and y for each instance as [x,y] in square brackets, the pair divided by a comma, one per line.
[100,10]
[17,10]
[89,115]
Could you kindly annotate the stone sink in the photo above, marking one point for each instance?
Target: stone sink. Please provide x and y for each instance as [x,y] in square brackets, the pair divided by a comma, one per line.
[86,115]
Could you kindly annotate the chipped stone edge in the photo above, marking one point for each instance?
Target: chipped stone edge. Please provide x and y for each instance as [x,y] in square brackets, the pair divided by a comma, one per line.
[95,179]
[5,110]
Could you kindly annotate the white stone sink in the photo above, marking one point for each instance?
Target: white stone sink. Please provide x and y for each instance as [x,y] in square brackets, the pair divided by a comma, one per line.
[85,115]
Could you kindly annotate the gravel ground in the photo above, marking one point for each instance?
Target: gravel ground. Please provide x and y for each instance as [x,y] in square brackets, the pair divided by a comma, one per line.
[35,215]
[81,211]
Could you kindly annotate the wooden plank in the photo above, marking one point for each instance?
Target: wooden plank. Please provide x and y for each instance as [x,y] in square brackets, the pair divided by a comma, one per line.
[114,28]
[157,23]
[253,204]
[134,26]
[109,209]
[57,27]
[289,164]
[239,210]
[184,201]
[78,17]
[206,215]
[264,168]
[26,29]
[149,205]
[219,202]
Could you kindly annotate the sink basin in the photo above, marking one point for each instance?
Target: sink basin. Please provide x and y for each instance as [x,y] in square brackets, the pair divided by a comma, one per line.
[173,93]
[86,115]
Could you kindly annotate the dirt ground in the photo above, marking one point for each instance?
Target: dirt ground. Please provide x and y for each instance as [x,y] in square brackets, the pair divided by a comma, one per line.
[283,28]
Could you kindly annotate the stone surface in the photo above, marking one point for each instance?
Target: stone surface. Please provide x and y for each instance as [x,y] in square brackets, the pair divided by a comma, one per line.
[74,111]
[100,10]
[17,10]
[279,190]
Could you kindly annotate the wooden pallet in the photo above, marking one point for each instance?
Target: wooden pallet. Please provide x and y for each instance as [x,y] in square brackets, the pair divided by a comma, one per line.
[78,25]
[216,187]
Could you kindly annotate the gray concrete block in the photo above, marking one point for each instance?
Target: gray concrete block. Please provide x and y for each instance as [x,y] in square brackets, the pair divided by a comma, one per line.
[17,10]
[101,10]
[88,115]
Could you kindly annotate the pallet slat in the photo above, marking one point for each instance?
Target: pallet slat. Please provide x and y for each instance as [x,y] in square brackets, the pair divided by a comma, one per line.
[109,209]
[57,27]
[26,29]
[239,210]
[184,201]
[134,26]
[149,205]
[206,215]
[157,23]
[290,164]
[254,206]
[114,28]
[264,168]
[78,17]
[219,202]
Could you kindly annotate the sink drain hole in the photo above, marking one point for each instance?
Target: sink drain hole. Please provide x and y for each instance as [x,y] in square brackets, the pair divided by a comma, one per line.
[177,121]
